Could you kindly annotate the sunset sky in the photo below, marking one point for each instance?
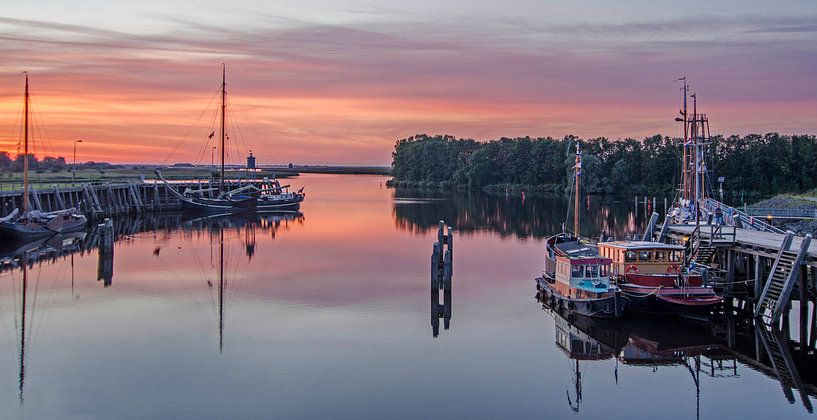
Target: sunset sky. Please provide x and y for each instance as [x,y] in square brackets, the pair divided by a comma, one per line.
[338,82]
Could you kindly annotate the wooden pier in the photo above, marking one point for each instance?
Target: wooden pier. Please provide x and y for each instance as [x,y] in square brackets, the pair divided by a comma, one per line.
[100,200]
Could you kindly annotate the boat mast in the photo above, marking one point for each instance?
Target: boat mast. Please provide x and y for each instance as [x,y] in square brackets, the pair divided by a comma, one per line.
[25,155]
[696,161]
[684,178]
[223,107]
[578,173]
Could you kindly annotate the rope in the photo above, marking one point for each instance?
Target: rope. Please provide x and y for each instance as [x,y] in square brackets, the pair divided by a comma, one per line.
[655,291]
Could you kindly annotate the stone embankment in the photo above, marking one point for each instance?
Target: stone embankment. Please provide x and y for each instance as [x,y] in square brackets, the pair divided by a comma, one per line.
[804,202]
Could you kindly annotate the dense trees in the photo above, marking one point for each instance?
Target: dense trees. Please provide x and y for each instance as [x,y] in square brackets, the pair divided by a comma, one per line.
[754,165]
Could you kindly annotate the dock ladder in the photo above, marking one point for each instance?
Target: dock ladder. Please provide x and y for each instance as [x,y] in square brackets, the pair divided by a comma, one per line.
[782,277]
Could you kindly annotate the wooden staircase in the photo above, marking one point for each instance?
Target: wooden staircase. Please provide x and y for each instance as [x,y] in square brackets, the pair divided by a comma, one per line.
[703,256]
[782,278]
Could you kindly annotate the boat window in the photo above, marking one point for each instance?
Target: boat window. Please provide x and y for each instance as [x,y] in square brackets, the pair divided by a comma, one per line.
[629,256]
[592,270]
[661,256]
[603,270]
[645,256]
[578,271]
[675,256]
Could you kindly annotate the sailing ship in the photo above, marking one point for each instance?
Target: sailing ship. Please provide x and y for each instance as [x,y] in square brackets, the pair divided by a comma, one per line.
[30,224]
[575,275]
[269,195]
[652,276]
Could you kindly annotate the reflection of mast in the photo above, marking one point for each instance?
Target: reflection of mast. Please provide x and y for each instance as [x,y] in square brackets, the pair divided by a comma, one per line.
[221,291]
[696,377]
[23,330]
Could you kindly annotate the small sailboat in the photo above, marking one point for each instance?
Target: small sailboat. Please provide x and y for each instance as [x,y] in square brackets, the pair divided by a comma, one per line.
[575,276]
[268,195]
[31,224]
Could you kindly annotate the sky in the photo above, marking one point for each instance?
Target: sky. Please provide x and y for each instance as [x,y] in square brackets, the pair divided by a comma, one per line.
[338,82]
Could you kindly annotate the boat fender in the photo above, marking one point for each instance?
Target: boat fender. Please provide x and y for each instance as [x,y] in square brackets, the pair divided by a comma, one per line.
[674,269]
[631,269]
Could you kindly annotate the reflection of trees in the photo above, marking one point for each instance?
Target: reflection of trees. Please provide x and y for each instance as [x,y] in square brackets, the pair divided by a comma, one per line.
[538,217]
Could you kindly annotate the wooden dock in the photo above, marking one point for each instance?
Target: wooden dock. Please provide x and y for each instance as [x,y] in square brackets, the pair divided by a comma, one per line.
[764,244]
[105,199]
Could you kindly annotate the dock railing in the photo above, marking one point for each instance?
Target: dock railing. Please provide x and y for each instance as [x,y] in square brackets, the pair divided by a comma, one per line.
[737,218]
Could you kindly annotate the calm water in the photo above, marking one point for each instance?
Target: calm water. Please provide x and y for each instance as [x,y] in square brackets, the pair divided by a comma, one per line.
[329,314]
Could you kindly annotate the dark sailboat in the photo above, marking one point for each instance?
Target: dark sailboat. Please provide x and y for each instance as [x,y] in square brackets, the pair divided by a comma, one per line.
[31,224]
[269,195]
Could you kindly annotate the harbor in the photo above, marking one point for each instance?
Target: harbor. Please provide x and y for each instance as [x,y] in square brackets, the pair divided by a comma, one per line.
[158,290]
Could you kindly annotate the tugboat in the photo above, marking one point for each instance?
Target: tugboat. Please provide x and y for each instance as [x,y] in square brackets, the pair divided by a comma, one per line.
[33,224]
[576,277]
[652,277]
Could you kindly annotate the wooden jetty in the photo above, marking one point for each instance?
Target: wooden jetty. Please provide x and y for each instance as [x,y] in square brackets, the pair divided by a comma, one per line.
[105,199]
[762,269]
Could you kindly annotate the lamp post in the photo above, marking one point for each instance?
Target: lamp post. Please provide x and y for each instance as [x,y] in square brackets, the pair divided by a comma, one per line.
[74,167]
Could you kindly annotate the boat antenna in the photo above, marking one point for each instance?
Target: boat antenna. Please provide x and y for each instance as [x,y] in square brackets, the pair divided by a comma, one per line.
[223,108]
[25,155]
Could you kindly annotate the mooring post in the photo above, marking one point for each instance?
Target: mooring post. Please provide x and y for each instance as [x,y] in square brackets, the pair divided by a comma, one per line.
[105,268]
[450,241]
[758,277]
[803,321]
[435,266]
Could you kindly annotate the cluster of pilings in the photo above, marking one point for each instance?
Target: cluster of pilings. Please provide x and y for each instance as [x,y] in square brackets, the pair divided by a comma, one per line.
[442,257]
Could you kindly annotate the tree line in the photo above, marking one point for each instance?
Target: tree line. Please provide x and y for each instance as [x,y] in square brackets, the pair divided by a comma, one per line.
[46,164]
[753,165]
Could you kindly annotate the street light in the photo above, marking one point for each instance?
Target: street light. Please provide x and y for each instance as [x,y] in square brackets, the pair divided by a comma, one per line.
[74,168]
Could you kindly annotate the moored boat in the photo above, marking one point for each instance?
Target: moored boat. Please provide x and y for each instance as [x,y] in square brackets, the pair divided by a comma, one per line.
[265,196]
[33,224]
[652,276]
[575,277]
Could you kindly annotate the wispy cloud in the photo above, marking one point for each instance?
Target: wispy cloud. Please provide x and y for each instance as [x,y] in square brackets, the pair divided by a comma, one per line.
[344,93]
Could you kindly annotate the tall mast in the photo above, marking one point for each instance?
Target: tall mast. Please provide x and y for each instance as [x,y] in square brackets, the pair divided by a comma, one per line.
[223,107]
[684,177]
[578,172]
[25,155]
[696,161]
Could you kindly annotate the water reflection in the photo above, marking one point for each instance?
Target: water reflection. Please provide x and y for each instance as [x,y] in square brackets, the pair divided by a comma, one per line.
[512,215]
[700,349]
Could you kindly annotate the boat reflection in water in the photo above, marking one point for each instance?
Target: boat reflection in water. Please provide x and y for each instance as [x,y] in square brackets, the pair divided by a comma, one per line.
[636,341]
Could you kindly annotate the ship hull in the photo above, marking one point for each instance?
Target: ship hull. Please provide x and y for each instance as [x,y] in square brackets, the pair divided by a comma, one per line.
[607,305]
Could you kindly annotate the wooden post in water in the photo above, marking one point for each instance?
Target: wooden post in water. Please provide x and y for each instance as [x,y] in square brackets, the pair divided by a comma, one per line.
[803,321]
[105,267]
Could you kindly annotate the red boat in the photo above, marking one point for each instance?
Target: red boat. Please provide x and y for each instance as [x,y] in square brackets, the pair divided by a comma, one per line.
[651,275]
